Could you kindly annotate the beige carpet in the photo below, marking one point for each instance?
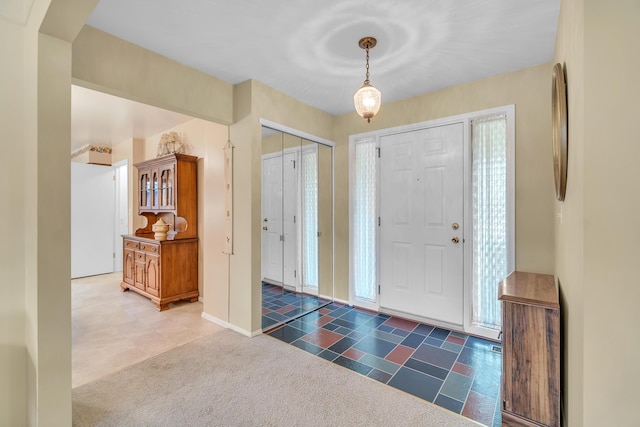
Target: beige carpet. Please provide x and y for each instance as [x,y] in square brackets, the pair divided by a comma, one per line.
[226,379]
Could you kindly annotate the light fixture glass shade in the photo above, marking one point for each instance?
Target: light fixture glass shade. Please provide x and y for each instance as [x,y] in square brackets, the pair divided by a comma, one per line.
[367,101]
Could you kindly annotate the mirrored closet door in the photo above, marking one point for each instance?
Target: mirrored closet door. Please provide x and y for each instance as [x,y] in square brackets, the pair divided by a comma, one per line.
[297,226]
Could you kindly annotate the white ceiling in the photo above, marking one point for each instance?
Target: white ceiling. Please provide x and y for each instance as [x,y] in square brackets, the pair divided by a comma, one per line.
[309,50]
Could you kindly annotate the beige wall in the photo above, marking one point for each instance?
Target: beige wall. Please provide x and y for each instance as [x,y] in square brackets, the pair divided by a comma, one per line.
[48,267]
[596,238]
[529,90]
[112,65]
[13,354]
[206,141]
[611,211]
[569,239]
[252,101]
[214,263]
[124,151]
[244,270]
[35,354]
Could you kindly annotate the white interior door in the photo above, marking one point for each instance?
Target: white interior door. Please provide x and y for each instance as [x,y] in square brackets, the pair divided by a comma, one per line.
[272,219]
[121,211]
[421,202]
[279,205]
[92,219]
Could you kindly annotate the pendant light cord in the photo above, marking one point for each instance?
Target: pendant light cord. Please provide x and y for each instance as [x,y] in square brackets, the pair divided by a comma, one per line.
[366,80]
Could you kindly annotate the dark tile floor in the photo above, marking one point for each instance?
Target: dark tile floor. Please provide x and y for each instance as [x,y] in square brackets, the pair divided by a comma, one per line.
[279,306]
[455,371]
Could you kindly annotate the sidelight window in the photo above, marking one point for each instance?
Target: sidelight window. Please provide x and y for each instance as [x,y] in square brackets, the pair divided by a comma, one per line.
[491,217]
[364,221]
[309,205]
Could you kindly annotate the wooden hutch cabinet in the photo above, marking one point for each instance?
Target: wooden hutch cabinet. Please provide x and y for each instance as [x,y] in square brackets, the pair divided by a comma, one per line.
[164,270]
[530,350]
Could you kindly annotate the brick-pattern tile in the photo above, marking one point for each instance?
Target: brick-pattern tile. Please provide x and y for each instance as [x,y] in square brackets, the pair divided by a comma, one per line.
[450,369]
[400,354]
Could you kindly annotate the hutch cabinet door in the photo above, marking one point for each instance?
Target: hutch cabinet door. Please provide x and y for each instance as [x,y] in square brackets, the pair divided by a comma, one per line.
[154,189]
[144,185]
[140,267]
[128,266]
[166,196]
[153,274]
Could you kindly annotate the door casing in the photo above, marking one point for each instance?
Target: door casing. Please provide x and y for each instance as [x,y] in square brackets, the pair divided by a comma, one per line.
[466,119]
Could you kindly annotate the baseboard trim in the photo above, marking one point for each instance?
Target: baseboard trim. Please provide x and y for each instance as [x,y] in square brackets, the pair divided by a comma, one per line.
[213,319]
[244,332]
[342,301]
[228,325]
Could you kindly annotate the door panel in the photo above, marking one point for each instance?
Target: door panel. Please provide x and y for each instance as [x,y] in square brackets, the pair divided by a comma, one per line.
[401,265]
[140,271]
[121,218]
[434,257]
[152,274]
[272,219]
[279,202]
[129,266]
[92,219]
[421,196]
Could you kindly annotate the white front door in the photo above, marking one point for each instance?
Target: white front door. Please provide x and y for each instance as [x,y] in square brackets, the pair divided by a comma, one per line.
[421,212]
[279,200]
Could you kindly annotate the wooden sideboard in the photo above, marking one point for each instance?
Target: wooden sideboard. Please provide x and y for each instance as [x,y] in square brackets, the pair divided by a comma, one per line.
[164,270]
[530,350]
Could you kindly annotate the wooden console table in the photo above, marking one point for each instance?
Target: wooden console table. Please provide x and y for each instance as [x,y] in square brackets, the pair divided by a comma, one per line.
[530,350]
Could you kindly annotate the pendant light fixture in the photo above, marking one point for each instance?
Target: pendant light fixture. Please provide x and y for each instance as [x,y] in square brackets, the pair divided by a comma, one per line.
[367,99]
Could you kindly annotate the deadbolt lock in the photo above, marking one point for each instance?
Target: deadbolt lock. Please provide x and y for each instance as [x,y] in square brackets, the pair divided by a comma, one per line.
[455,225]
[455,240]
[265,219]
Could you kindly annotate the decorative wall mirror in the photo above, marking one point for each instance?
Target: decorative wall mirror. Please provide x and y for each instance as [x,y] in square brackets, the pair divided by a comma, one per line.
[559,125]
[297,226]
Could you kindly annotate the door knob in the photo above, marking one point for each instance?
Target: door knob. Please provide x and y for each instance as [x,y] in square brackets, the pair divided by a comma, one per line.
[265,228]
[455,240]
[265,219]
